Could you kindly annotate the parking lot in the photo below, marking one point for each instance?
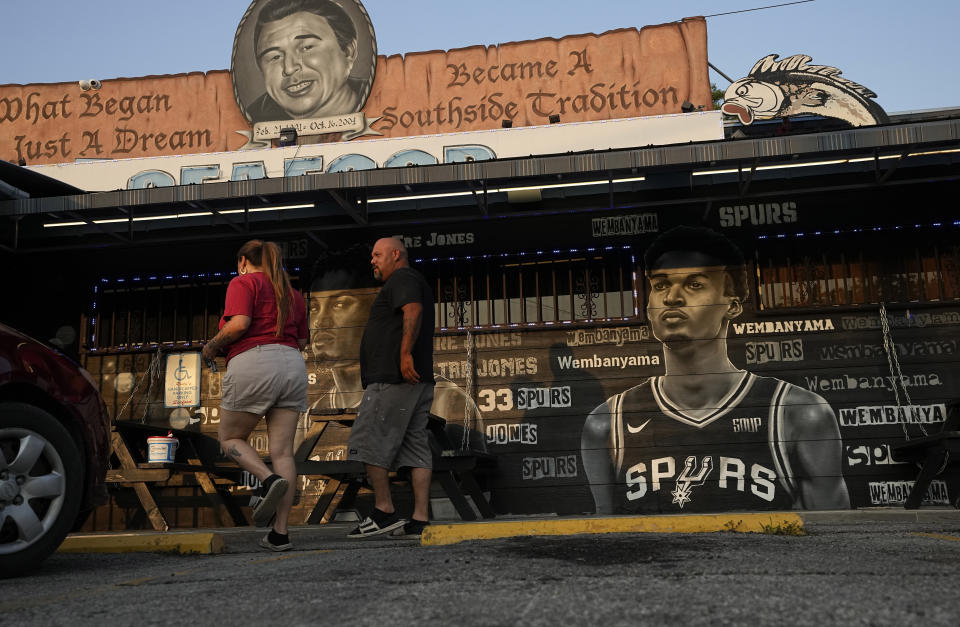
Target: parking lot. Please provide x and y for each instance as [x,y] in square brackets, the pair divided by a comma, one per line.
[851,570]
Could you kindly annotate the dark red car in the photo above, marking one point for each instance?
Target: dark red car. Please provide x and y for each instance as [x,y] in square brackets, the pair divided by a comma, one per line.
[54,449]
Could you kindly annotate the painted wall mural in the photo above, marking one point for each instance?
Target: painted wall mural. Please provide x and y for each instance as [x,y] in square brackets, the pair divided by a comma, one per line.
[794,86]
[707,434]
[304,64]
[282,75]
[705,391]
[536,393]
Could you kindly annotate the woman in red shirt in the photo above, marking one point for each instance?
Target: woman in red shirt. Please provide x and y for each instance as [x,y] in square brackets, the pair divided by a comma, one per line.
[263,330]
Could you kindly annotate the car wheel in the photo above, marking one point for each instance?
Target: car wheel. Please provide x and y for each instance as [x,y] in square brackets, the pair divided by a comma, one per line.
[41,483]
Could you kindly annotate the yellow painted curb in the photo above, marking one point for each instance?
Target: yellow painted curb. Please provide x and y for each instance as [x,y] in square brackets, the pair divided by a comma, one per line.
[436,535]
[184,543]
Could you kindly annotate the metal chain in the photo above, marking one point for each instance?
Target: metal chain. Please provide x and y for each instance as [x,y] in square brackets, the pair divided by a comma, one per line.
[468,396]
[893,363]
[153,370]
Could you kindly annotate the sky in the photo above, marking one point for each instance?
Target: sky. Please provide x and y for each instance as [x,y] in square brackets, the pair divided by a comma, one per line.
[906,52]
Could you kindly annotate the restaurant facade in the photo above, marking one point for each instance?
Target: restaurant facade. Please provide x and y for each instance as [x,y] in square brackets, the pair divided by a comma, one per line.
[528,182]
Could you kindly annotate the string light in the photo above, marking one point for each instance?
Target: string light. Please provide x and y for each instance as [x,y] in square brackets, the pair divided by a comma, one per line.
[874,229]
[136,279]
[632,179]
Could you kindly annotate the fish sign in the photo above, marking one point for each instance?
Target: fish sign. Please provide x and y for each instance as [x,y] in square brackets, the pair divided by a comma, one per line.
[794,86]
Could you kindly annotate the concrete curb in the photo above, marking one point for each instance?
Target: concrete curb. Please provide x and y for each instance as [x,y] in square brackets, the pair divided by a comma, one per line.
[332,536]
[194,543]
[882,514]
[774,522]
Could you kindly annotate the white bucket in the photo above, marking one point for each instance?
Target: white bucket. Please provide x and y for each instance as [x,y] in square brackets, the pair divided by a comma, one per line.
[162,449]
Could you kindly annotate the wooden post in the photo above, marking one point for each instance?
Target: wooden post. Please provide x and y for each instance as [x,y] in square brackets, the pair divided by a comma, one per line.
[143,491]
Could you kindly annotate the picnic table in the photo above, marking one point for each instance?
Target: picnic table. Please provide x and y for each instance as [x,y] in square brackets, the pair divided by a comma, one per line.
[198,461]
[932,453]
[454,469]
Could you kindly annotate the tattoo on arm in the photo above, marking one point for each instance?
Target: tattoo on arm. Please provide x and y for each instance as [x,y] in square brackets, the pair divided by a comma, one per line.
[411,328]
[233,451]
[223,338]
[412,317]
[219,339]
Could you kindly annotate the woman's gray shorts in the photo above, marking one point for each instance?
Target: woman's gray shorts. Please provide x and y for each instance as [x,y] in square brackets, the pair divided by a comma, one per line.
[391,426]
[264,377]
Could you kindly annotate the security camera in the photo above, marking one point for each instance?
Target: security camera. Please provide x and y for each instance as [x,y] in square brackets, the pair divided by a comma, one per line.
[85,85]
[95,84]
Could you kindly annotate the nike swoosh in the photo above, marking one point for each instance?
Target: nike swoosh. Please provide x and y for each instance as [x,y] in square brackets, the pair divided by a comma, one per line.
[632,429]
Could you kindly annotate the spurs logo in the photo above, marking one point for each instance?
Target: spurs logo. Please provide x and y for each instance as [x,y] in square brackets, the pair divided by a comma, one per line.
[745,477]
[687,480]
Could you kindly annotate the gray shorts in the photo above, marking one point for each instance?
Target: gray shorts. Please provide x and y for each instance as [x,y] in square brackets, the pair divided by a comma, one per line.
[391,426]
[264,377]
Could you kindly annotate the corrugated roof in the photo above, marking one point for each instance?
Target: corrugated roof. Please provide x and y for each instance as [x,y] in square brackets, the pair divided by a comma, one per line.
[340,200]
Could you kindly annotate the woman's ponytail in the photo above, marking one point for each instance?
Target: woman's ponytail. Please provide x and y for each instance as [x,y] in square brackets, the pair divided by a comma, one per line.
[268,256]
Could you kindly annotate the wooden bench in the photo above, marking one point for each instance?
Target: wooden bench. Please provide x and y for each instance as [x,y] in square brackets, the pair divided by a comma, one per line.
[198,458]
[453,469]
[932,453]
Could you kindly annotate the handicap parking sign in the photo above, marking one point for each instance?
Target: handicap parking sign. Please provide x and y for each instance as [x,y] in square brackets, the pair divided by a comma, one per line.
[182,380]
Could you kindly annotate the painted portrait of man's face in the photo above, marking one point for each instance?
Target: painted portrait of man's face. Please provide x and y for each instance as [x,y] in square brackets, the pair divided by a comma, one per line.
[304,67]
[337,320]
[690,298]
[303,59]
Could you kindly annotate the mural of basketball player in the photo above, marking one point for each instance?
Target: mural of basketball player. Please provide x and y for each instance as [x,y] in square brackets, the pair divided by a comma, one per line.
[315,58]
[340,298]
[338,311]
[707,436]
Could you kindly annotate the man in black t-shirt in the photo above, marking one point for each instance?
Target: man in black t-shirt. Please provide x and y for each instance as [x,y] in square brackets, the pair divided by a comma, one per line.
[396,369]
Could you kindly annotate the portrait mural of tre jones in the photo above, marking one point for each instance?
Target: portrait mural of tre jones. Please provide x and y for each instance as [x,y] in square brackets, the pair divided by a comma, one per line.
[303,60]
[707,436]
[342,292]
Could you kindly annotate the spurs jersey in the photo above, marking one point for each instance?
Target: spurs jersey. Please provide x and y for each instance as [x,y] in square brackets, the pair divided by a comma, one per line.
[726,458]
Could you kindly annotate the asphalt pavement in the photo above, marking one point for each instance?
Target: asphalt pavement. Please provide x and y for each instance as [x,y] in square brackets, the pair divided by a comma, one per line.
[851,568]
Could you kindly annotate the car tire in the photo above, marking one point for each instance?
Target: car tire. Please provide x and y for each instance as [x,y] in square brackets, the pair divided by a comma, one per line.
[41,485]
